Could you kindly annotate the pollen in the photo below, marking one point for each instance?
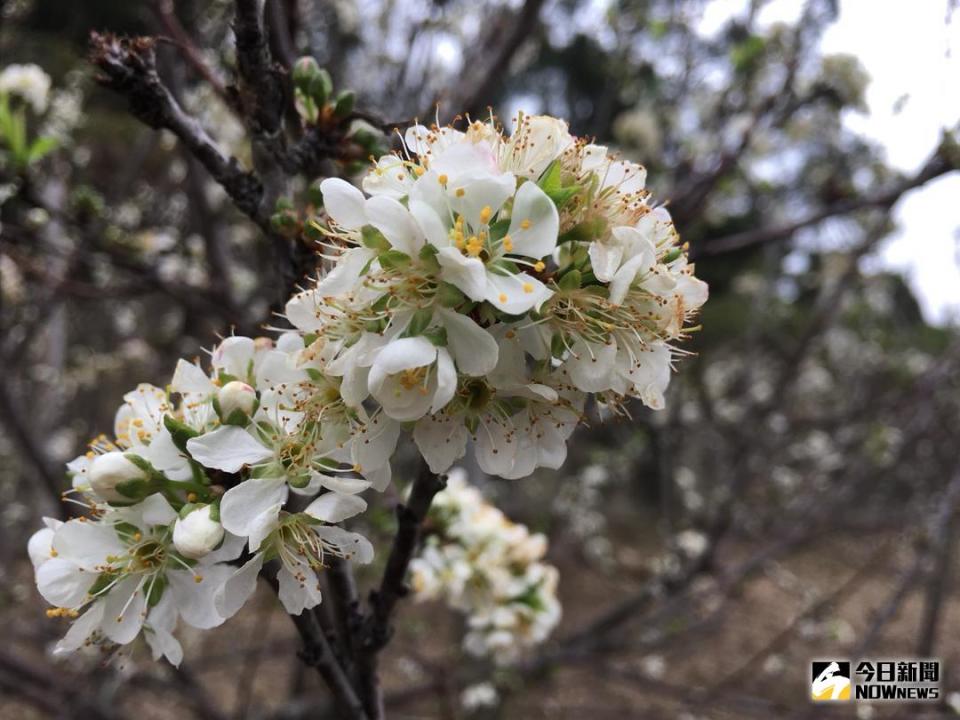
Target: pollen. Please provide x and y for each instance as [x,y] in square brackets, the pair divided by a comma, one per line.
[191,497]
[527,288]
[460,192]
[418,171]
[443,180]
[485,214]
[525,223]
[539,266]
[137,537]
[503,297]
[507,243]
[198,578]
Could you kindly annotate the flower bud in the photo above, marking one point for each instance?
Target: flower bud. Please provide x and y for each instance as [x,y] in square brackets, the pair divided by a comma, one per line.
[303,71]
[197,534]
[236,395]
[109,470]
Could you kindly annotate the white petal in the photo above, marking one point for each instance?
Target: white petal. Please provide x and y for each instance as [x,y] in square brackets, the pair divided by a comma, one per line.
[190,378]
[87,544]
[465,273]
[430,224]
[196,601]
[534,208]
[62,583]
[298,595]
[238,588]
[227,448]
[396,223]
[590,365]
[351,545]
[405,354]
[333,507]
[446,381]
[40,546]
[156,510]
[341,280]
[379,477]
[124,610]
[344,203]
[441,440]
[473,348]
[81,629]
[495,448]
[516,294]
[605,259]
[234,356]
[486,191]
[339,484]
[242,505]
[374,445]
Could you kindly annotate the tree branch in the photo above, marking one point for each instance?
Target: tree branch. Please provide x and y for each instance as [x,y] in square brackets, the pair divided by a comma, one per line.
[376,629]
[943,161]
[128,67]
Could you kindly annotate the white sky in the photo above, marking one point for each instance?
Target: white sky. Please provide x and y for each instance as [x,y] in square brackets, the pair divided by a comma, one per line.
[910,52]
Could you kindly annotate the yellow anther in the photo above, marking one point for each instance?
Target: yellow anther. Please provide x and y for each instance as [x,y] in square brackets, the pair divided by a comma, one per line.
[198,578]
[443,180]
[460,192]
[525,224]
[485,214]
[137,537]
[459,242]
[503,297]
[53,552]
[418,171]
[507,243]
[510,334]
[357,468]
[539,266]
[137,422]
[527,288]
[191,497]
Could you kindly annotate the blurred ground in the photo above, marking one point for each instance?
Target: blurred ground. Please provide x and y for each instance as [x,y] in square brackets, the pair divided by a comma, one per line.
[738,654]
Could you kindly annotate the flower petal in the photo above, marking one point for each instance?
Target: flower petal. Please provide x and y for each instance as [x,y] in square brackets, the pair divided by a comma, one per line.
[516,294]
[396,223]
[473,348]
[344,203]
[534,222]
[234,593]
[467,274]
[333,507]
[227,448]
[244,504]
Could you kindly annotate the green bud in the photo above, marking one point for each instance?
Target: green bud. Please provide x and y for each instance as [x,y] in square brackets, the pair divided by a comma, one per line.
[304,70]
[344,104]
[321,86]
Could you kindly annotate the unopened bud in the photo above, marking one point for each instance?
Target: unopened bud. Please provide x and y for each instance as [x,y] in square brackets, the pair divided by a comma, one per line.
[197,534]
[109,470]
[236,395]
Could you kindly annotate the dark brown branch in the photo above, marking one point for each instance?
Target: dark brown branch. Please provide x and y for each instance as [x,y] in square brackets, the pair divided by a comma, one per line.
[261,87]
[167,16]
[376,629]
[128,67]
[317,653]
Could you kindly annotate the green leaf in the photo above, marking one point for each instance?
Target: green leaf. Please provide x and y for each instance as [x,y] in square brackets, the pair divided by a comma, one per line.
[344,104]
[449,296]
[180,432]
[419,322]
[374,239]
[571,280]
[437,335]
[394,259]
[40,148]
[155,590]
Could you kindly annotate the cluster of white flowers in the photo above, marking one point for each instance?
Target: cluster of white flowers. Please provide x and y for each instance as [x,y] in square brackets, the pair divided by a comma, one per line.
[482,290]
[168,508]
[489,568]
[28,82]
[485,284]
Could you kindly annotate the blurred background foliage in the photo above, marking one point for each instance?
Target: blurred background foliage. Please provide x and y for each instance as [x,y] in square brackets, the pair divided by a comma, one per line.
[813,423]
